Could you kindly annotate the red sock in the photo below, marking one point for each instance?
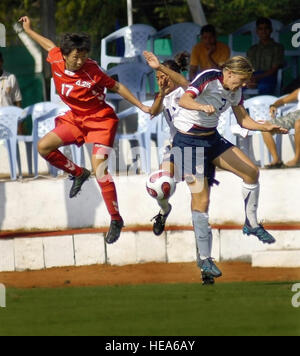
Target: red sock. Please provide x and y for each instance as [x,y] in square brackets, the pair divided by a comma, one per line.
[58,160]
[109,195]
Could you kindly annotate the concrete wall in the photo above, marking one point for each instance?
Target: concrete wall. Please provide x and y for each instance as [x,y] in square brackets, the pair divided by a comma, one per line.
[141,247]
[44,203]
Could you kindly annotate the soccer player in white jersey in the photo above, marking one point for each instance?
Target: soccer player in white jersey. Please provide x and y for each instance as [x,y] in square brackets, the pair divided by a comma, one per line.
[210,94]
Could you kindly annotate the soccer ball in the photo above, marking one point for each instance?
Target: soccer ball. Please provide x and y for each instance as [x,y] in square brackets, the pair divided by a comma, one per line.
[160,185]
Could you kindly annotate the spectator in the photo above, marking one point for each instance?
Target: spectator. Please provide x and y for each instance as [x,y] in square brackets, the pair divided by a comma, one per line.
[266,57]
[10,93]
[289,121]
[209,53]
[9,89]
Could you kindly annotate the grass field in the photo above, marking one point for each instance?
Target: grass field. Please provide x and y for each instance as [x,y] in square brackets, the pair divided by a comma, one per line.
[153,310]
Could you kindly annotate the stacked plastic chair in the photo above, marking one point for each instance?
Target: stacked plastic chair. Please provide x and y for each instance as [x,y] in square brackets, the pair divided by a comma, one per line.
[135,40]
[183,37]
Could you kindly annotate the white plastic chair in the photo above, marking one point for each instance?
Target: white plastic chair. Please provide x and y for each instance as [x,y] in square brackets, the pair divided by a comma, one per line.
[134,76]
[183,37]
[142,135]
[41,126]
[36,110]
[258,108]
[9,118]
[135,42]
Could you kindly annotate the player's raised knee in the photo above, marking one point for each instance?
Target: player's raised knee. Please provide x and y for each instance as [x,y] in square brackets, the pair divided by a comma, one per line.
[43,148]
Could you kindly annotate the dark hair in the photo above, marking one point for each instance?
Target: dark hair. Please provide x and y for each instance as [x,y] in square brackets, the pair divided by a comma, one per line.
[1,58]
[264,21]
[208,28]
[71,41]
[180,62]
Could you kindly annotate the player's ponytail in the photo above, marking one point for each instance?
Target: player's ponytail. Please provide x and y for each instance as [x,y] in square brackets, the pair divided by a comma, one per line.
[180,62]
[239,65]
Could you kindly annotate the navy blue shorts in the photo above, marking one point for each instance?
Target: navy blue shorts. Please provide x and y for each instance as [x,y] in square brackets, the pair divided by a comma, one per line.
[197,154]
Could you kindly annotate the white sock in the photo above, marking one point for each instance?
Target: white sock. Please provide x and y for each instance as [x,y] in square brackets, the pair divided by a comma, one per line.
[201,229]
[210,240]
[251,195]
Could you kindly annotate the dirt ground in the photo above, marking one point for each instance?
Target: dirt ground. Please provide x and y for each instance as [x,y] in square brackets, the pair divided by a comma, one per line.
[99,275]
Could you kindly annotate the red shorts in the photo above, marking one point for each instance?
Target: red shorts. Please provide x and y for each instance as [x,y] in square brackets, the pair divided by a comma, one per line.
[100,127]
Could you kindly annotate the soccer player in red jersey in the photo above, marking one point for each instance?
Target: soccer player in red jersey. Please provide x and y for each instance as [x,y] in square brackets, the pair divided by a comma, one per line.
[80,83]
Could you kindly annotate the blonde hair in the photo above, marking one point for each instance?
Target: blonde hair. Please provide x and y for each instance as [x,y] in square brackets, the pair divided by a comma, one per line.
[239,65]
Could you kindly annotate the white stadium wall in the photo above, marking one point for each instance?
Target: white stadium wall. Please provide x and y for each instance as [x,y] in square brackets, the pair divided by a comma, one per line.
[43,204]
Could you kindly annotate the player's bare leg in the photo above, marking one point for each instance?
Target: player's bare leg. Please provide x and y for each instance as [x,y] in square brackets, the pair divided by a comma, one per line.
[271,145]
[295,161]
[235,161]
[108,190]
[48,149]
[200,191]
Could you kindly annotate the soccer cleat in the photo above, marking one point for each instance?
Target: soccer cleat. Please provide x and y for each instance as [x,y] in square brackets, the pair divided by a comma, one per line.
[260,233]
[209,269]
[78,181]
[114,231]
[160,221]
[207,280]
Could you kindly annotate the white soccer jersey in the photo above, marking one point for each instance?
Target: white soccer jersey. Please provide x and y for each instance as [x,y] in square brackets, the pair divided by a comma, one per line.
[171,107]
[9,89]
[207,89]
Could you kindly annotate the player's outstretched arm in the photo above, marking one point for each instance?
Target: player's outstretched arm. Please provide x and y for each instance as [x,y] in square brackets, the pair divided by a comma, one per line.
[127,95]
[247,122]
[154,63]
[187,102]
[42,41]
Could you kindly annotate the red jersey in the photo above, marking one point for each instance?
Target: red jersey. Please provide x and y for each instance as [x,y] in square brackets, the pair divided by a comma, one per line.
[83,90]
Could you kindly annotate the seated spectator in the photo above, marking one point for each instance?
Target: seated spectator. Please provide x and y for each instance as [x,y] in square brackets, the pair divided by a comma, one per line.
[208,53]
[9,89]
[289,121]
[10,93]
[266,57]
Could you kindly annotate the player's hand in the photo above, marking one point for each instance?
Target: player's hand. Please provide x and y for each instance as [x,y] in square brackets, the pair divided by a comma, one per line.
[151,59]
[208,109]
[25,21]
[146,109]
[274,129]
[164,86]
